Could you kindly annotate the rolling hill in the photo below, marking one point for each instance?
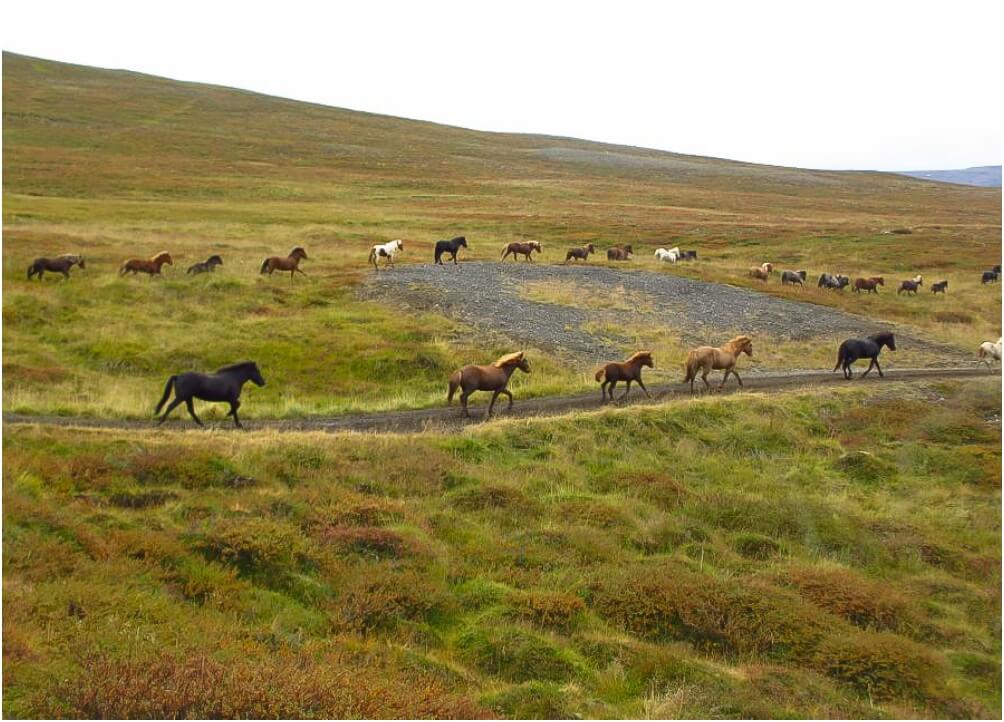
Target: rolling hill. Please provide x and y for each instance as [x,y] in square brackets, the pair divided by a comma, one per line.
[988,176]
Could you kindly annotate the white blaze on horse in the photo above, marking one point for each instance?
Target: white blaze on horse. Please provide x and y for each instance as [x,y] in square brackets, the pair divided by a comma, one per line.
[385,250]
[990,352]
[671,256]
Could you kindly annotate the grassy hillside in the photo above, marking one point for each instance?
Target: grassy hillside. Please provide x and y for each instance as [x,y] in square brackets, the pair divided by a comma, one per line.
[824,555]
[115,165]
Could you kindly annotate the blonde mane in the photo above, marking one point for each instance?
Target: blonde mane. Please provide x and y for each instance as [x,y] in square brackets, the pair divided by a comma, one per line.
[737,344]
[637,355]
[163,255]
[508,360]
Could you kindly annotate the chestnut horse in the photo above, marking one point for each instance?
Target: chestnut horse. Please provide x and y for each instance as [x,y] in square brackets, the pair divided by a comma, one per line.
[580,254]
[59,264]
[290,263]
[520,249]
[708,358]
[492,378]
[620,253]
[151,266]
[629,370]
[868,284]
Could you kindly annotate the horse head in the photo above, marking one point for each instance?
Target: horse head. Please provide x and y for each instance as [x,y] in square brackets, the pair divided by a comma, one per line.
[214,260]
[255,375]
[462,240]
[741,345]
[163,257]
[643,358]
[399,244]
[884,339]
[298,252]
[79,260]
[536,245]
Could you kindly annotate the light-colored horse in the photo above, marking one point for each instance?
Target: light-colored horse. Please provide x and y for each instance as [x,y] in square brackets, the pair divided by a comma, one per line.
[990,352]
[385,250]
[670,256]
[708,358]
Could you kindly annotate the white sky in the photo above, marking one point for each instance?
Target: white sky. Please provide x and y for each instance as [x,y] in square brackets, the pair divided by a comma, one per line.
[839,84]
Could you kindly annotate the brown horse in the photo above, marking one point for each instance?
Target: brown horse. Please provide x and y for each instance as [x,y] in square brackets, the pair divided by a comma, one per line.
[629,370]
[708,358]
[580,254]
[492,378]
[620,253]
[290,263]
[151,266]
[520,249]
[869,285]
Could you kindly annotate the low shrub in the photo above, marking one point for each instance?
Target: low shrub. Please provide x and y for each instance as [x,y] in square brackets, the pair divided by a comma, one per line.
[254,545]
[378,599]
[532,700]
[490,496]
[756,546]
[513,654]
[367,541]
[141,499]
[867,604]
[880,664]
[553,610]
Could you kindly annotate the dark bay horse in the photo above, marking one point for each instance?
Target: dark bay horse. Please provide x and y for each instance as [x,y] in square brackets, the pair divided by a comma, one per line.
[520,249]
[59,264]
[990,277]
[207,266]
[910,287]
[290,263]
[451,247]
[151,266]
[856,348]
[620,253]
[868,284]
[629,370]
[580,254]
[225,384]
[492,378]
[939,287]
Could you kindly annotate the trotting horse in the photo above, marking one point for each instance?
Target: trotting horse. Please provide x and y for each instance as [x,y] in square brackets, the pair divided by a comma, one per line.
[59,264]
[492,378]
[580,254]
[290,263]
[910,286]
[222,385]
[629,370]
[151,266]
[990,352]
[868,284]
[207,266]
[385,250]
[671,256]
[793,277]
[708,358]
[856,348]
[520,249]
[451,247]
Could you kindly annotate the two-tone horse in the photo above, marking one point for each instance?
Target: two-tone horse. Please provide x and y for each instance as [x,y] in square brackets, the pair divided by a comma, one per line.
[386,251]
[518,248]
[150,266]
[494,378]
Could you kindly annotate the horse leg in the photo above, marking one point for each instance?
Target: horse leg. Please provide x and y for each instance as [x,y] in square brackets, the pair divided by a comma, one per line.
[234,405]
[603,392]
[463,404]
[725,378]
[491,405]
[610,389]
[170,407]
[627,389]
[454,258]
[868,369]
[704,378]
[875,361]
[644,389]
[508,393]
[191,411]
[737,378]
[65,272]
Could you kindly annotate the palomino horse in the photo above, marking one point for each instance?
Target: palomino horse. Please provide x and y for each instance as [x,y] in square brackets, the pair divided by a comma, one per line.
[580,254]
[290,263]
[222,385]
[671,256]
[629,370]
[990,352]
[854,348]
[207,266]
[520,249]
[708,358]
[385,250]
[59,264]
[492,378]
[151,266]
[451,247]
[620,253]
[869,285]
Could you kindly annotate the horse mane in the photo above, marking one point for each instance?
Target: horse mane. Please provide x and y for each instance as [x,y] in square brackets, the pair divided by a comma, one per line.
[508,360]
[236,367]
[737,344]
[638,355]
[297,251]
[159,256]
[881,335]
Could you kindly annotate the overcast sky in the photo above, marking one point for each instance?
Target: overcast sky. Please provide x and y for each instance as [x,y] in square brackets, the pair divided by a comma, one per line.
[845,84]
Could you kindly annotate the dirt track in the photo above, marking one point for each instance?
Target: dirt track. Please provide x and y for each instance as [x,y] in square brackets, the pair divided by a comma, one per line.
[443,419]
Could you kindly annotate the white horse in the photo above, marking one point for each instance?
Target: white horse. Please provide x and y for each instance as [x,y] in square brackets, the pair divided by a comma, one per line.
[385,250]
[671,256]
[990,352]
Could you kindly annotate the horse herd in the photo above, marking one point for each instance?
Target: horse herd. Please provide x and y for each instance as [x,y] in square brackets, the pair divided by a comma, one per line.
[838,282]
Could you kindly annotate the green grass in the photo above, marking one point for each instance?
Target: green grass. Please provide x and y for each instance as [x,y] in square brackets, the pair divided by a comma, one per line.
[823,554]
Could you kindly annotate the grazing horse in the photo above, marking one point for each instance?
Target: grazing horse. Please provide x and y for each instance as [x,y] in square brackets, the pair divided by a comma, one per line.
[580,254]
[222,385]
[492,378]
[708,358]
[990,277]
[207,266]
[620,253]
[793,277]
[835,282]
[290,263]
[868,284]
[59,264]
[990,352]
[856,348]
[451,247]
[910,286]
[151,266]
[629,370]
[939,287]
[520,249]
[385,250]
[670,256]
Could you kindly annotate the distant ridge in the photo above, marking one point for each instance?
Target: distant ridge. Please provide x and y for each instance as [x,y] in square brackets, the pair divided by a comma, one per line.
[987,176]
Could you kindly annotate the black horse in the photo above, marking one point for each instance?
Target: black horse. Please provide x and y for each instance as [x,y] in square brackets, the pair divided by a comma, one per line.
[990,276]
[855,348]
[59,264]
[450,247]
[207,266]
[225,384]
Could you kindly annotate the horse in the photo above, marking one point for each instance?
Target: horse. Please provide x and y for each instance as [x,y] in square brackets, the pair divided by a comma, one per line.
[385,250]
[990,352]
[580,254]
[918,279]
[688,256]
[629,370]
[59,264]
[793,277]
[222,385]
[869,285]
[290,263]
[207,266]
[835,282]
[856,348]
[492,378]
[990,277]
[910,286]
[997,269]
[620,253]
[670,256]
[151,266]
[708,358]
[758,273]
[939,287]
[450,247]
[520,249]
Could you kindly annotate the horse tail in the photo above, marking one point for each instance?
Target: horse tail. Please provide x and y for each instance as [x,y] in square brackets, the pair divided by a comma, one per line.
[691,367]
[264,265]
[840,357]
[31,271]
[372,258]
[601,372]
[505,248]
[167,394]
[123,268]
[455,380]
